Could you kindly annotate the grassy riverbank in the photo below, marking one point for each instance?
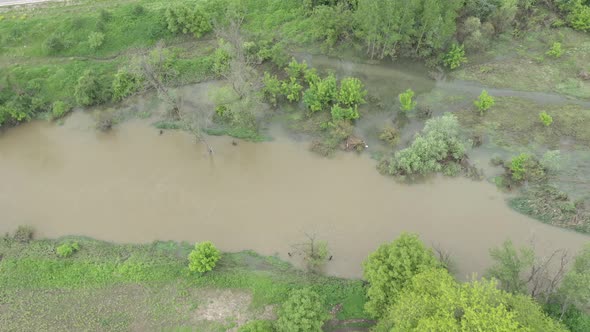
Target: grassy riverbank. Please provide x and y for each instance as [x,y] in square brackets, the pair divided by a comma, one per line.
[114,287]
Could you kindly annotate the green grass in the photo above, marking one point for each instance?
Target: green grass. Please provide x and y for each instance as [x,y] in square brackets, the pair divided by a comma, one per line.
[116,286]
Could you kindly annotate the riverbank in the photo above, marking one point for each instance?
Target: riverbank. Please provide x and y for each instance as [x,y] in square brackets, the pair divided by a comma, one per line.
[115,287]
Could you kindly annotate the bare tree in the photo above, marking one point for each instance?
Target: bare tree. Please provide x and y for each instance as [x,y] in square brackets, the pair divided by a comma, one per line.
[315,252]
[444,256]
[546,274]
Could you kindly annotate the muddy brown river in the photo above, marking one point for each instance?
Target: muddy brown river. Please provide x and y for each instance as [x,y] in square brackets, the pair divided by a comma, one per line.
[134,185]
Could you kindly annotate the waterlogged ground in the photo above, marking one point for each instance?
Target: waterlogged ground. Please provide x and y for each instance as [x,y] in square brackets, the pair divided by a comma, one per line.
[135,185]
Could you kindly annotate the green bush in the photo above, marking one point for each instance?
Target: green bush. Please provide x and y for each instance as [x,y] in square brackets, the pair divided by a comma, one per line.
[67,249]
[332,24]
[125,84]
[221,58]
[484,102]
[579,17]
[303,311]
[320,93]
[88,90]
[525,167]
[182,19]
[55,43]
[352,92]
[204,257]
[344,113]
[455,57]
[257,326]
[59,109]
[439,144]
[292,89]
[105,15]
[406,102]
[272,88]
[555,51]
[95,40]
[391,267]
[296,70]
[546,119]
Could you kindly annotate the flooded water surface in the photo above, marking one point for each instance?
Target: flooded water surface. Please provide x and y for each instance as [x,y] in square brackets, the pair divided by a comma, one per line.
[135,185]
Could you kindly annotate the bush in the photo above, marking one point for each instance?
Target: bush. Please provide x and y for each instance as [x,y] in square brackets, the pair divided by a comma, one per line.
[59,109]
[272,88]
[391,267]
[405,99]
[302,312]
[105,15]
[125,84]
[390,135]
[352,92]
[138,10]
[55,43]
[321,93]
[204,257]
[344,113]
[525,167]
[484,102]
[95,40]
[440,143]
[23,234]
[67,249]
[296,70]
[88,90]
[221,58]
[332,24]
[555,51]
[579,17]
[257,326]
[545,118]
[292,89]
[455,57]
[181,18]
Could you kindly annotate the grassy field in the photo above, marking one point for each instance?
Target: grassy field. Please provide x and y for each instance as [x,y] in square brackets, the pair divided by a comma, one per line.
[115,287]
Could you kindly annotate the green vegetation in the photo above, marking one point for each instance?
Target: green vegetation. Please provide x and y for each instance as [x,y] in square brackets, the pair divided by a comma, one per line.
[204,257]
[302,311]
[455,57]
[406,102]
[67,249]
[555,51]
[484,102]
[546,119]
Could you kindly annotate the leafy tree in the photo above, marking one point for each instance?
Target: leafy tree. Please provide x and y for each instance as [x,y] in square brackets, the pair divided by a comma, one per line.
[438,146]
[221,59]
[406,102]
[296,70]
[125,84]
[509,265]
[546,119]
[67,249]
[204,257]
[292,89]
[484,102]
[320,93]
[88,89]
[575,288]
[344,113]
[272,88]
[455,57]
[303,311]
[352,92]
[181,18]
[59,109]
[95,40]
[332,24]
[391,267]
[521,166]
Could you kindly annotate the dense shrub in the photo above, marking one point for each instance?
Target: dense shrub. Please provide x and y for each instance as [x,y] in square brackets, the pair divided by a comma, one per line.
[303,311]
[391,267]
[405,100]
[438,146]
[88,90]
[332,24]
[525,167]
[221,58]
[59,109]
[55,43]
[182,19]
[352,92]
[344,113]
[321,93]
[484,102]
[546,119]
[125,84]
[292,89]
[95,40]
[455,57]
[271,89]
[296,70]
[204,257]
[257,326]
[67,249]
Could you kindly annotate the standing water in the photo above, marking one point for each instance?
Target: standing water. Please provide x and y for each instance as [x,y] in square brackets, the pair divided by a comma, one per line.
[134,185]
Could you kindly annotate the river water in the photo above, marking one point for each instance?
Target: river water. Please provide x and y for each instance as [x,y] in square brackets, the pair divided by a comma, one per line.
[135,185]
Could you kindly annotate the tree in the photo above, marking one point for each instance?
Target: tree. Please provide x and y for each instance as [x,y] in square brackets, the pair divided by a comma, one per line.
[303,311]
[509,266]
[484,102]
[315,253]
[455,57]
[321,93]
[391,267]
[575,289]
[406,102]
[204,257]
[352,92]
[344,113]
[88,89]
[181,18]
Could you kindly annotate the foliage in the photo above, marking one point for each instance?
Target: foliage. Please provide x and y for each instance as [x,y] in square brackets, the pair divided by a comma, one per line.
[95,40]
[522,167]
[434,301]
[551,161]
[509,265]
[182,19]
[204,257]
[296,70]
[315,253]
[272,88]
[292,89]
[406,102]
[257,326]
[390,135]
[59,109]
[344,113]
[55,43]
[321,93]
[438,145]
[67,249]
[23,234]
[484,102]
[455,57]
[332,24]
[352,92]
[546,119]
[221,59]
[575,289]
[555,51]
[125,84]
[391,267]
[303,311]
[88,90]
